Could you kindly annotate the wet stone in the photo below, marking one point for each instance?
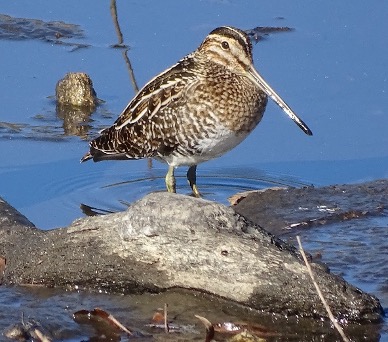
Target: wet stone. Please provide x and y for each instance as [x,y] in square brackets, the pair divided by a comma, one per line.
[280,210]
[76,89]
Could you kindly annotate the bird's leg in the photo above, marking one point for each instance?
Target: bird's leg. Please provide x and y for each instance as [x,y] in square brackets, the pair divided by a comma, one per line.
[170,179]
[192,178]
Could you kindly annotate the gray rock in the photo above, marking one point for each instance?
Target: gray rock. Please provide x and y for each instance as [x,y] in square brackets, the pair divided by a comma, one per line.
[168,241]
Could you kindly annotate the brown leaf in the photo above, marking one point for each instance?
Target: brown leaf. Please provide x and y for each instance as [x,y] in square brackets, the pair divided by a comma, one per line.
[101,320]
[209,328]
[158,317]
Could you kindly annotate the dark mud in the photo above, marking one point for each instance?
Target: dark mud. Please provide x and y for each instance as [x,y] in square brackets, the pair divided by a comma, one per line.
[49,31]
[283,209]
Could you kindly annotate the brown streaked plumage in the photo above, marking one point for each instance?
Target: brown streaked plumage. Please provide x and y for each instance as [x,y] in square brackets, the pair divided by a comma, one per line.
[197,110]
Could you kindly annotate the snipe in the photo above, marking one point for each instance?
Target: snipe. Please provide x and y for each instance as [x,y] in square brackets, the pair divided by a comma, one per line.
[197,110]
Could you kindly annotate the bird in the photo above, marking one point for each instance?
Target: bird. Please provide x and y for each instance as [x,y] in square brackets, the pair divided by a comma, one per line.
[196,110]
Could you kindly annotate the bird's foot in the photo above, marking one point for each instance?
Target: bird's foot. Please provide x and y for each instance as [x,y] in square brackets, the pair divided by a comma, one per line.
[192,178]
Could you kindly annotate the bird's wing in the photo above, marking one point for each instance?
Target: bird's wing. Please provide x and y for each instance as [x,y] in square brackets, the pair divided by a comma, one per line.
[165,88]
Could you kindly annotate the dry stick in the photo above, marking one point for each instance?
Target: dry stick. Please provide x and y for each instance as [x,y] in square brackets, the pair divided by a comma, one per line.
[119,325]
[331,316]
[113,12]
[41,337]
[166,327]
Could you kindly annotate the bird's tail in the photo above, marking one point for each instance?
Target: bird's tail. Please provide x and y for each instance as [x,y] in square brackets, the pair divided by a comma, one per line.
[86,157]
[99,155]
[109,146]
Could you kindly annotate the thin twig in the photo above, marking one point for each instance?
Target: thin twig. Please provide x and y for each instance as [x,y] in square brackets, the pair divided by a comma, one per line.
[113,12]
[331,316]
[41,336]
[112,319]
[166,327]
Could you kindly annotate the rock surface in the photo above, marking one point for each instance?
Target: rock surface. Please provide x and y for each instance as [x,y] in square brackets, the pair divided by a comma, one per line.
[76,89]
[173,241]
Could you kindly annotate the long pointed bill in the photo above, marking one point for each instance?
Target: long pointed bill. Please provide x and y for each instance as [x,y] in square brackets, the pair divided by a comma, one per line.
[256,78]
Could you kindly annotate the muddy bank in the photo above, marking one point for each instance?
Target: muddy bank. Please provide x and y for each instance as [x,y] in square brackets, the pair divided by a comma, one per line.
[279,210]
[169,241]
[53,32]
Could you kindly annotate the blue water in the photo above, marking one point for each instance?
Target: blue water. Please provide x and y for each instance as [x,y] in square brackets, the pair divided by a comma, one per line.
[332,70]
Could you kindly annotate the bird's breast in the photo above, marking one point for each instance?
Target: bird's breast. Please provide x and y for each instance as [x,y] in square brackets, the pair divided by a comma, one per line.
[230,99]
[217,114]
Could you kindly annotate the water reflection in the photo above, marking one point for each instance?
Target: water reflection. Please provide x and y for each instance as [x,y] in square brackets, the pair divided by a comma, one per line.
[216,185]
[57,125]
[76,121]
[50,131]
[120,44]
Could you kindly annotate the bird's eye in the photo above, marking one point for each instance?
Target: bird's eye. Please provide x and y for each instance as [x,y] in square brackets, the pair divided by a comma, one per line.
[225,45]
